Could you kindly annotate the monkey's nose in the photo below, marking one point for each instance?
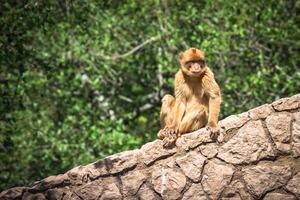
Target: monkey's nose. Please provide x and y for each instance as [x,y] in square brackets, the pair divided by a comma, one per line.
[196,68]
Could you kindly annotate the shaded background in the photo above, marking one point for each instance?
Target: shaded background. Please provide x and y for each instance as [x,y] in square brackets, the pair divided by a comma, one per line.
[80,80]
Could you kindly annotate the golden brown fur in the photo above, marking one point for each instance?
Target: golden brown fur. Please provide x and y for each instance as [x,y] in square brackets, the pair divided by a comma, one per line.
[197,99]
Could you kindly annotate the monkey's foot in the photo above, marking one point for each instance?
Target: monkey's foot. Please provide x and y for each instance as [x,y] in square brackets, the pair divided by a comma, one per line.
[161,134]
[214,132]
[170,138]
[165,132]
[169,141]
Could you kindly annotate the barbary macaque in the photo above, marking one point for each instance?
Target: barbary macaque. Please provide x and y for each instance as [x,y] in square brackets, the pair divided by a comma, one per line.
[197,99]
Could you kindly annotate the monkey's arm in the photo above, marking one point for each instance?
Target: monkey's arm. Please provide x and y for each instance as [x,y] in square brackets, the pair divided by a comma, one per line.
[171,133]
[179,109]
[212,89]
[180,100]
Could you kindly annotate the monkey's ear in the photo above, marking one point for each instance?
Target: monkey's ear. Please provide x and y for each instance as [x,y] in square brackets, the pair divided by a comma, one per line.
[180,56]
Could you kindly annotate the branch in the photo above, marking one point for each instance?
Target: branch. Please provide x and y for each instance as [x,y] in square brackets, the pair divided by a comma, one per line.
[115,57]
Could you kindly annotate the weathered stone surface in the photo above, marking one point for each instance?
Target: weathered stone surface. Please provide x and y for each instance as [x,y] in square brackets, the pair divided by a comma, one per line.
[265,177]
[287,103]
[105,188]
[296,135]
[30,196]
[90,191]
[250,144]
[195,192]
[216,175]
[260,112]
[153,151]
[192,164]
[122,161]
[111,190]
[110,165]
[230,125]
[209,150]
[294,185]
[194,139]
[237,166]
[236,190]
[71,196]
[51,182]
[146,193]
[234,121]
[78,175]
[13,193]
[279,125]
[279,196]
[132,181]
[54,194]
[169,182]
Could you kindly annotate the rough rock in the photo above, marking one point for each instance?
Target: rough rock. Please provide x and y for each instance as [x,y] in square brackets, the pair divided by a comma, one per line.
[192,164]
[236,190]
[122,161]
[110,165]
[30,196]
[90,191]
[296,135]
[146,193]
[209,150]
[153,151]
[13,193]
[234,121]
[279,125]
[169,182]
[195,192]
[216,175]
[287,103]
[132,181]
[71,196]
[256,156]
[279,196]
[265,177]
[110,189]
[294,185]
[261,112]
[54,194]
[51,182]
[250,144]
[79,175]
[230,124]
[194,139]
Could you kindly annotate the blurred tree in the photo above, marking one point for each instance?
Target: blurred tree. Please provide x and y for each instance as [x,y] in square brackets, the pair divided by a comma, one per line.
[80,80]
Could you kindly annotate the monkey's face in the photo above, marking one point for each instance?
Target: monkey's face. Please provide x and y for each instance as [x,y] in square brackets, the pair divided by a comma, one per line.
[194,68]
[192,62]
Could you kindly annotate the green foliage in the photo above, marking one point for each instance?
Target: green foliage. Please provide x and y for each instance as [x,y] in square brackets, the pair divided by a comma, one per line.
[80,80]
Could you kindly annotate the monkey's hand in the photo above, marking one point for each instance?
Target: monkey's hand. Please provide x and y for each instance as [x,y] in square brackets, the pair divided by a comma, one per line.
[214,132]
[162,133]
[171,135]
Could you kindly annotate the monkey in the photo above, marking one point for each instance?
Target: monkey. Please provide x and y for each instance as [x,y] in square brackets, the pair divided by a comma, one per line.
[196,102]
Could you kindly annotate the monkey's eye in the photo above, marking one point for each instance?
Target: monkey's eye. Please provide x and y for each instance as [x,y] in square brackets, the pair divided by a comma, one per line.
[201,62]
[189,64]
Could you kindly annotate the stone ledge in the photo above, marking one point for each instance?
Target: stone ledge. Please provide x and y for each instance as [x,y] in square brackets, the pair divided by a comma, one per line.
[257,155]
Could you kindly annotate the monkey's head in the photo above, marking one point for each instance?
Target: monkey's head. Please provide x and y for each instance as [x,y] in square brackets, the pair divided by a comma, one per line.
[192,62]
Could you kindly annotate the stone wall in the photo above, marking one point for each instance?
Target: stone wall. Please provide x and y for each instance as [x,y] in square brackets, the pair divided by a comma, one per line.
[256,156]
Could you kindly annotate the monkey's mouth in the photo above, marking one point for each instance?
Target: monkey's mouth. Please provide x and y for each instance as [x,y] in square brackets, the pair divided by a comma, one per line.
[195,69]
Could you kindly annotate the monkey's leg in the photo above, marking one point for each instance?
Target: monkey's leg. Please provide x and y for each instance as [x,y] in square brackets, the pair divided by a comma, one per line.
[166,115]
[191,121]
